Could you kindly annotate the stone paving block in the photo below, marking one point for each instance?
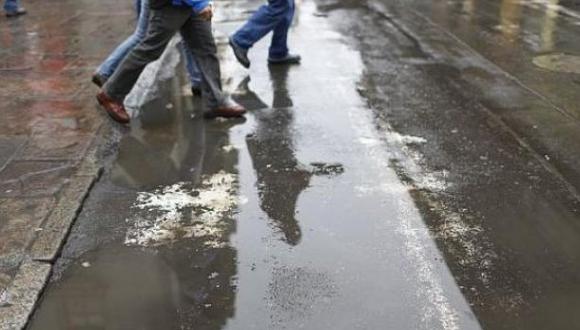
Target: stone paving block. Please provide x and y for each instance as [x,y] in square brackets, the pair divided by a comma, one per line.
[9,145]
[37,84]
[34,178]
[10,189]
[60,147]
[46,116]
[19,299]
[54,63]
[18,220]
[54,231]
[17,61]
[90,165]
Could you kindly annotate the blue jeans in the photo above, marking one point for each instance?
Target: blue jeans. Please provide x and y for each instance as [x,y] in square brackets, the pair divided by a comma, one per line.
[192,68]
[107,68]
[11,6]
[276,16]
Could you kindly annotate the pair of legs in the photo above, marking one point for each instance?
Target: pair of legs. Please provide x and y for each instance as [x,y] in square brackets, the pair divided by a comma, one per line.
[108,67]
[274,17]
[198,37]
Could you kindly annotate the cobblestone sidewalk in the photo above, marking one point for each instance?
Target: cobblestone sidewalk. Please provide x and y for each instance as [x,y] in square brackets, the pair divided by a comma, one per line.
[49,130]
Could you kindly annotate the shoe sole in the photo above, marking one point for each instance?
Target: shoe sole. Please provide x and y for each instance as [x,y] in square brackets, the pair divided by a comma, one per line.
[238,57]
[118,120]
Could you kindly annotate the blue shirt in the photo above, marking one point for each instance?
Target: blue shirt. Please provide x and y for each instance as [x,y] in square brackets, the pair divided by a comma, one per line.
[197,5]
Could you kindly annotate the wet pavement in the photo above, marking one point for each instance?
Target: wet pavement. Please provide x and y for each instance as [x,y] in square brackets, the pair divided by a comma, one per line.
[507,217]
[413,173]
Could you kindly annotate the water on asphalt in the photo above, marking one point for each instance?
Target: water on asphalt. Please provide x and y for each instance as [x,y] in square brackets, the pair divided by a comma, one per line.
[506,152]
[365,190]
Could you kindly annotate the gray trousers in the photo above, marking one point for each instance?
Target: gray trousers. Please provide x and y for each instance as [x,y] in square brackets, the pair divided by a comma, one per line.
[164,24]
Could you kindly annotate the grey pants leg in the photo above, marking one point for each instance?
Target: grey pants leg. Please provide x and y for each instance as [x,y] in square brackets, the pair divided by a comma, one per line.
[198,36]
[163,25]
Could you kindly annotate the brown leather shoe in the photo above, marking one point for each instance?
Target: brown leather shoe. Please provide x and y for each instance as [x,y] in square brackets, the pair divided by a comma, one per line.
[115,109]
[229,110]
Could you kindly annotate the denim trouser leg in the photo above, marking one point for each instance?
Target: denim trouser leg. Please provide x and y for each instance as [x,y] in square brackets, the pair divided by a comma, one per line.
[11,6]
[112,62]
[192,68]
[279,45]
[269,17]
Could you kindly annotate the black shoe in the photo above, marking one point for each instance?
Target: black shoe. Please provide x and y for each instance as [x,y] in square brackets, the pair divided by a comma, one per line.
[196,91]
[240,53]
[99,79]
[286,60]
[17,12]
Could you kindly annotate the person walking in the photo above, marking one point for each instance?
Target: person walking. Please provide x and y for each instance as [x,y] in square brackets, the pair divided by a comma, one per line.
[108,67]
[276,17]
[191,18]
[12,8]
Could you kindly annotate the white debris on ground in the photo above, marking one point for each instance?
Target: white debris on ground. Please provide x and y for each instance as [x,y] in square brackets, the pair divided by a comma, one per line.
[412,160]
[457,228]
[382,149]
[160,218]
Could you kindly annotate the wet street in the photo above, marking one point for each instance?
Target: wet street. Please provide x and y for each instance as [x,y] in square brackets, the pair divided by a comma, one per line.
[419,170]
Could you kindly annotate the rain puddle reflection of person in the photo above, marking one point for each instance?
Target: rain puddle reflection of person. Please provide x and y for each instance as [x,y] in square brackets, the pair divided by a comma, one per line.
[280,177]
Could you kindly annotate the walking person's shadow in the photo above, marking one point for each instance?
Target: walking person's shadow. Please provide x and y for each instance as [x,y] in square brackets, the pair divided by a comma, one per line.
[281,178]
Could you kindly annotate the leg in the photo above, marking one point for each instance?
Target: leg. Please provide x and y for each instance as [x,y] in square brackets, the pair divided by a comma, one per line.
[261,23]
[199,38]
[112,62]
[279,45]
[192,67]
[164,23]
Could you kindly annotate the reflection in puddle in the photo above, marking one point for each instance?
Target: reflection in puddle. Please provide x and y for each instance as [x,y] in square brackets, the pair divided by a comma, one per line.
[121,287]
[124,288]
[281,178]
[510,13]
[549,26]
[165,146]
